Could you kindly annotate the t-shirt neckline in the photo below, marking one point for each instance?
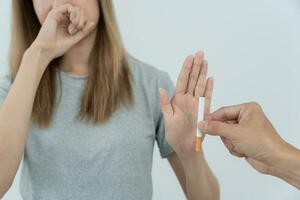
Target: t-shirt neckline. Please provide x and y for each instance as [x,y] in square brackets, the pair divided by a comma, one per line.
[71,76]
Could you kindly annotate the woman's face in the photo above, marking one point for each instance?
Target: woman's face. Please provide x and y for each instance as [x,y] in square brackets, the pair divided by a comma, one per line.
[90,7]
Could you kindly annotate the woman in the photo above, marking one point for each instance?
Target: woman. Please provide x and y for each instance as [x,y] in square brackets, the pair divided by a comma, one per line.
[86,115]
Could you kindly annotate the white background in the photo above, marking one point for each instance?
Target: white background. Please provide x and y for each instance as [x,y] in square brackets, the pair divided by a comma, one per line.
[253,49]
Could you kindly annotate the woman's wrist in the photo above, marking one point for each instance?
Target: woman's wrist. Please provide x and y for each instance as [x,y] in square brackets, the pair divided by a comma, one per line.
[191,159]
[41,53]
[41,57]
[36,59]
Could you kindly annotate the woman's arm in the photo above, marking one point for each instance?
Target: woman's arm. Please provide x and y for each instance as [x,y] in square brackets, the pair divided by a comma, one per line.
[195,176]
[180,116]
[178,170]
[15,114]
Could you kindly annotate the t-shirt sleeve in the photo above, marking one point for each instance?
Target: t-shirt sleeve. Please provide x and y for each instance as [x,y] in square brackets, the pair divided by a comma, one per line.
[5,83]
[165,149]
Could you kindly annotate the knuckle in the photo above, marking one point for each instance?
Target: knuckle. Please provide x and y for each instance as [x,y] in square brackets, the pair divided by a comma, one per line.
[253,106]
[80,26]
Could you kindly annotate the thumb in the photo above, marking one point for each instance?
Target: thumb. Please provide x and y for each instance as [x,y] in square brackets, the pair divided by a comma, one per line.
[165,104]
[217,128]
[84,32]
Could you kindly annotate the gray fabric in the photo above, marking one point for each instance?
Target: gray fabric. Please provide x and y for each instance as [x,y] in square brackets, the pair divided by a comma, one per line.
[73,160]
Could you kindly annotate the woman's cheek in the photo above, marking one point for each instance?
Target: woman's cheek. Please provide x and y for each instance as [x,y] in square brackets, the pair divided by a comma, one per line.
[92,10]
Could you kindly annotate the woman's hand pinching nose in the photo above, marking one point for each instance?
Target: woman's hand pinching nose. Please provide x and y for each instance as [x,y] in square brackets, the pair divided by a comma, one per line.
[63,27]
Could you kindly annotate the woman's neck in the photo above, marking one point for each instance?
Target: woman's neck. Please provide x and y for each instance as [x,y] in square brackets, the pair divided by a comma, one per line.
[76,59]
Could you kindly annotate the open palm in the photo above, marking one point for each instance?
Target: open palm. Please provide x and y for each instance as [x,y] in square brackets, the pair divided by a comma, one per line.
[181,111]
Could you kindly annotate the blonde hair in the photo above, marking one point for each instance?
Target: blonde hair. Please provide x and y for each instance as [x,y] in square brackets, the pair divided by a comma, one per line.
[110,79]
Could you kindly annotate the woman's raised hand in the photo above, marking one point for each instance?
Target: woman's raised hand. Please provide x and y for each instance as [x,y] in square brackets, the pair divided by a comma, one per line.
[181,111]
[63,27]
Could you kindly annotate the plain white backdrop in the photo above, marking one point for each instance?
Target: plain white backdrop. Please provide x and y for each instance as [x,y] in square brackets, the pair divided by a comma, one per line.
[253,49]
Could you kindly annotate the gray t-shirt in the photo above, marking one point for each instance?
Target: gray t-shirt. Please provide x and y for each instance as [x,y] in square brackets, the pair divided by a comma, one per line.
[73,160]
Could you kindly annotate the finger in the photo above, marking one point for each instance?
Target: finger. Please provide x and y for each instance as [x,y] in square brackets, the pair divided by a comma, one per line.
[196,68]
[84,32]
[227,144]
[226,113]
[61,19]
[76,20]
[230,147]
[78,17]
[73,24]
[208,98]
[65,8]
[59,12]
[165,104]
[208,95]
[82,20]
[73,16]
[231,122]
[182,80]
[217,128]
[201,83]
[64,20]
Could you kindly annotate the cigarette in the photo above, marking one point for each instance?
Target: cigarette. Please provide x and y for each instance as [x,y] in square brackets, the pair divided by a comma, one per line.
[200,135]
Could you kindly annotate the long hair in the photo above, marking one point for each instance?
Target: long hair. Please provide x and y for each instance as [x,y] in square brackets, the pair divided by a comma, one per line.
[110,79]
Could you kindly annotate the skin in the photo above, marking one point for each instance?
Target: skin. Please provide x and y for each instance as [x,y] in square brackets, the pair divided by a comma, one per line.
[69,30]
[180,114]
[246,132]
[53,40]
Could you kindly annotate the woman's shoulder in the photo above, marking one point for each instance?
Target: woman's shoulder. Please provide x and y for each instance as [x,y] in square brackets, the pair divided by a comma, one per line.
[150,76]
[145,70]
